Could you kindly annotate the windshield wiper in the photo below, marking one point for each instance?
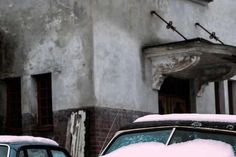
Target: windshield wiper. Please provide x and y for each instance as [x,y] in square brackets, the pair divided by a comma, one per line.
[171,134]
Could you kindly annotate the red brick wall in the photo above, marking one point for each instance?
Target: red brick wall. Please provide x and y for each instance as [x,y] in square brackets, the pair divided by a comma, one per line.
[99,123]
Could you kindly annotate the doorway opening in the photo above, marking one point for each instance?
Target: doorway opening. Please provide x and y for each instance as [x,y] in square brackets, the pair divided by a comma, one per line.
[174,96]
[13,103]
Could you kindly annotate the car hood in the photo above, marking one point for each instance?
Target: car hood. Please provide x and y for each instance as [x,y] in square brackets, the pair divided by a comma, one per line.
[194,148]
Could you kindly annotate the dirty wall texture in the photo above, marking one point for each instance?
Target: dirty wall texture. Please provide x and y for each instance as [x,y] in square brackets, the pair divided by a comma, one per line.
[121,28]
[55,36]
[93,49]
[95,46]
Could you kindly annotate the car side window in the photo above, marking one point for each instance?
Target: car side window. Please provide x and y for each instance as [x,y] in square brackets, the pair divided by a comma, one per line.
[3,151]
[21,154]
[56,153]
[42,151]
[37,153]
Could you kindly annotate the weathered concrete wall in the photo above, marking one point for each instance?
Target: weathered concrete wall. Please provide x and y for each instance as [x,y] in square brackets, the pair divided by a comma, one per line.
[206,102]
[93,48]
[49,36]
[122,27]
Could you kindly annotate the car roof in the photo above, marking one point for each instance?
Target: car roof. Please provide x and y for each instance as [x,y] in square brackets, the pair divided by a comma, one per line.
[189,117]
[222,122]
[26,140]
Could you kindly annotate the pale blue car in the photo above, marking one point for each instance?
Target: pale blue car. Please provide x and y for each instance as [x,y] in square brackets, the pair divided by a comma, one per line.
[27,146]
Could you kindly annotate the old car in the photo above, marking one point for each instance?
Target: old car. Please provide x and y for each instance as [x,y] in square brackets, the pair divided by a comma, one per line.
[173,129]
[28,146]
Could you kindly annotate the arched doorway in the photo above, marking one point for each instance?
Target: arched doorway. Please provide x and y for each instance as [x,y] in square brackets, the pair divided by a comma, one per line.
[174,96]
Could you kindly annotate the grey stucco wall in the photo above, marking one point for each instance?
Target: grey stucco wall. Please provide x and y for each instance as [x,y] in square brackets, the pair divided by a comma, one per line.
[206,102]
[93,48]
[49,36]
[122,28]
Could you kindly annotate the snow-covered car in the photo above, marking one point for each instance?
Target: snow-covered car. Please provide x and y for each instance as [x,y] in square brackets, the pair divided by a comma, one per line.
[28,146]
[169,135]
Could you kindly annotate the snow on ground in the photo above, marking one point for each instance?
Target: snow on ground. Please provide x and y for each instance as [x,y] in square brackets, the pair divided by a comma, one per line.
[193,117]
[195,148]
[9,139]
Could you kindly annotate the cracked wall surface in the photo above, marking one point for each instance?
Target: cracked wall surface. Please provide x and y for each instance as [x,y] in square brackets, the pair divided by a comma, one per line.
[49,36]
[93,48]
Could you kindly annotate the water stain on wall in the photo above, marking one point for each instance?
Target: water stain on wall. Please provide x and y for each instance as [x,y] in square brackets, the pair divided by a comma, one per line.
[8,45]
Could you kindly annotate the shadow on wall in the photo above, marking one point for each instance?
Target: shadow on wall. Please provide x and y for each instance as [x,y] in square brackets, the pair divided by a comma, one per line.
[1,124]
[8,46]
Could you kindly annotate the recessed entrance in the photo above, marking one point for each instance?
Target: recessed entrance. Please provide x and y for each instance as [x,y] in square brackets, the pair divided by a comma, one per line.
[174,96]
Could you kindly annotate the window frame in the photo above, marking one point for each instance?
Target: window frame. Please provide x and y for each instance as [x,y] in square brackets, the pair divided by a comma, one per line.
[8,149]
[40,81]
[12,91]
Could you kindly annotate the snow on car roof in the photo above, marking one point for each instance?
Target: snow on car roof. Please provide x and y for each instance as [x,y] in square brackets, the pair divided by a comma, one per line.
[30,139]
[189,117]
[194,148]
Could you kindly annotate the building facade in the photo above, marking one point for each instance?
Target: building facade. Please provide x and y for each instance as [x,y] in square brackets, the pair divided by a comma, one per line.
[114,60]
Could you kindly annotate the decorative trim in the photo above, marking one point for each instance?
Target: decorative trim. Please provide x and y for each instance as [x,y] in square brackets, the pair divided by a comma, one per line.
[170,64]
[182,60]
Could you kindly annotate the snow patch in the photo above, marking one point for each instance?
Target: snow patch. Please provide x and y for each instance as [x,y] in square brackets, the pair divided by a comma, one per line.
[189,117]
[195,148]
[11,139]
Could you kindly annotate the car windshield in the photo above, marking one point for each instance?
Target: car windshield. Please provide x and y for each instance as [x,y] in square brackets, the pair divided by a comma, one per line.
[3,151]
[139,137]
[170,136]
[183,135]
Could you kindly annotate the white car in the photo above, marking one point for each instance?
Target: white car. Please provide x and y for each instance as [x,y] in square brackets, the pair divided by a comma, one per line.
[156,133]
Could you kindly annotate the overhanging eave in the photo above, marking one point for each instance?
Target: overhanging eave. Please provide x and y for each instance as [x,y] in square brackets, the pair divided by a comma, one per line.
[192,59]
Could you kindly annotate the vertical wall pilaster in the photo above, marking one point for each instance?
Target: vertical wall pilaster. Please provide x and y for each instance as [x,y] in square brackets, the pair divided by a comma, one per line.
[28,101]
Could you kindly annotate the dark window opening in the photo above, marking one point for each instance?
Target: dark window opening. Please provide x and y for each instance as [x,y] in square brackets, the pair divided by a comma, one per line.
[13,117]
[230,91]
[232,98]
[219,98]
[174,96]
[44,99]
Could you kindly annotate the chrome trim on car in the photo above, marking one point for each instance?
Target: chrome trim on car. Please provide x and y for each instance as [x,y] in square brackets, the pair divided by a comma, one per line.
[8,149]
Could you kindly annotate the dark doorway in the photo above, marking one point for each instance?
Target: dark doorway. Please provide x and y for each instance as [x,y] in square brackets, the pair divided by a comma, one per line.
[174,96]
[13,119]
